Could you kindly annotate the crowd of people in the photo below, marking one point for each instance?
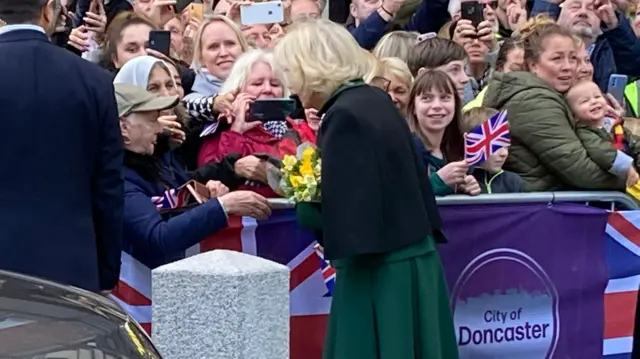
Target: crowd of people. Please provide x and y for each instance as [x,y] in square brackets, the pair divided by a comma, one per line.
[132,125]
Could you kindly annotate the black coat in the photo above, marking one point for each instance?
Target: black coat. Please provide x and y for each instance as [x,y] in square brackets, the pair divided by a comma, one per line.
[61,188]
[376,196]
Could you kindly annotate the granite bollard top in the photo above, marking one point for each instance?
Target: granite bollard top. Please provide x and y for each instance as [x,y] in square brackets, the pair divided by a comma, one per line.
[221,305]
[223,262]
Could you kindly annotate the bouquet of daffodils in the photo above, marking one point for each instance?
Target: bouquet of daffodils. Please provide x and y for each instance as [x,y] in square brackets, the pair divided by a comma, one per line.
[300,174]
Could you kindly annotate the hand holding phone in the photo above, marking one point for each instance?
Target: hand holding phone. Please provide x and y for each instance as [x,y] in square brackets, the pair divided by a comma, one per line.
[160,40]
[472,11]
[262,13]
[196,11]
[162,11]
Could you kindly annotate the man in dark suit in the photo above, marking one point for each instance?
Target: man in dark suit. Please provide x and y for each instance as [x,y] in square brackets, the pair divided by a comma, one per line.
[61,185]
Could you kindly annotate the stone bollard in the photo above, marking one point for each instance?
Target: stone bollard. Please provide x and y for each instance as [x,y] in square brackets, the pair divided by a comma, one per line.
[221,305]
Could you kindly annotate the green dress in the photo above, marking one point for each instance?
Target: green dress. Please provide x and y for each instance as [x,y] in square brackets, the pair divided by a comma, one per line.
[388,306]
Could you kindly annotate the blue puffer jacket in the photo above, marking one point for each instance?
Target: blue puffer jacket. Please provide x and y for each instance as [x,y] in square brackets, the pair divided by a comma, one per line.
[155,241]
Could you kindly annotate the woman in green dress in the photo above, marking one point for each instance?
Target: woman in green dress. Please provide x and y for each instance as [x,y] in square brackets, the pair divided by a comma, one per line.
[378,216]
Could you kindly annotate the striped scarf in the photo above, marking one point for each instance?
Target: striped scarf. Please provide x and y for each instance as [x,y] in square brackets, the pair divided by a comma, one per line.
[617,130]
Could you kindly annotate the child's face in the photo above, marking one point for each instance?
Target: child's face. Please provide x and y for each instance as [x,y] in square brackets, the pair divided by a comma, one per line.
[495,162]
[586,102]
[435,110]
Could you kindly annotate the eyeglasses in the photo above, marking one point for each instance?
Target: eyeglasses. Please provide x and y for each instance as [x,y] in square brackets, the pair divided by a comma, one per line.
[380,82]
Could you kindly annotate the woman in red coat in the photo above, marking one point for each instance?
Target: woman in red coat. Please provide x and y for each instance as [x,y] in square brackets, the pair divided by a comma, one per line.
[253,78]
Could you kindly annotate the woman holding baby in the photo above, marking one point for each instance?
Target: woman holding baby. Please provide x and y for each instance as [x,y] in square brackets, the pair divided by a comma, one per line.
[546,150]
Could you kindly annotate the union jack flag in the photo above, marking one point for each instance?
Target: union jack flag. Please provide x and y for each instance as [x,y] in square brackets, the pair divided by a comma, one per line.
[328,272]
[622,246]
[487,138]
[168,200]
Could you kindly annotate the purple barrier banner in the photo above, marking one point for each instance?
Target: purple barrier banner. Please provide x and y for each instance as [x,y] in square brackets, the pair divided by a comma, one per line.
[526,281]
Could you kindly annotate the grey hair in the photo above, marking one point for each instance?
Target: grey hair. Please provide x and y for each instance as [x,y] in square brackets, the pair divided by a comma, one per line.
[242,68]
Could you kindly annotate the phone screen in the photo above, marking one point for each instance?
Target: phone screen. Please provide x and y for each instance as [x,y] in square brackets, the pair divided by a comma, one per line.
[262,13]
[271,110]
[160,40]
[617,85]
[196,11]
[473,11]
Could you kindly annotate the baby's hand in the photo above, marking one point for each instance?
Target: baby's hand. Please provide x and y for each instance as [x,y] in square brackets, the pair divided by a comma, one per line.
[632,177]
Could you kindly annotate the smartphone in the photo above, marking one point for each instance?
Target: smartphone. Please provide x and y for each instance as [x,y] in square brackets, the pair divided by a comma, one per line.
[276,109]
[262,13]
[617,84]
[160,40]
[196,11]
[473,11]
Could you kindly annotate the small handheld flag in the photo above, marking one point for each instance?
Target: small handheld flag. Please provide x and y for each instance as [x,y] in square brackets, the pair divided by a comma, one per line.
[328,272]
[486,139]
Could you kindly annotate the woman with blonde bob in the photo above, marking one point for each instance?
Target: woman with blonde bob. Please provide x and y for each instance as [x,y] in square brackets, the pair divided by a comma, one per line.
[377,220]
[217,45]
[400,80]
[396,44]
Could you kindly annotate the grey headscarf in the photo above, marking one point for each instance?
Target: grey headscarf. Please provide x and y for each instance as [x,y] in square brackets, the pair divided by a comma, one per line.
[137,70]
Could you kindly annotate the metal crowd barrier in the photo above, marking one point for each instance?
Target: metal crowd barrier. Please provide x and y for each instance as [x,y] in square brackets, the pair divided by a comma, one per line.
[618,200]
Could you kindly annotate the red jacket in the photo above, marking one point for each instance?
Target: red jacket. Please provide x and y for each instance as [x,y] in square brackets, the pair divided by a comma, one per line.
[254,141]
[306,131]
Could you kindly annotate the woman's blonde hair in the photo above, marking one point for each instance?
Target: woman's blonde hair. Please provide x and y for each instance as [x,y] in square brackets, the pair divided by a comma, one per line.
[398,68]
[534,33]
[376,69]
[242,67]
[317,56]
[196,64]
[446,30]
[396,44]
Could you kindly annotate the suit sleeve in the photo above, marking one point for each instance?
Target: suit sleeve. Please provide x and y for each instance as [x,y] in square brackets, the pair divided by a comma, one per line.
[370,31]
[548,134]
[148,232]
[625,47]
[108,191]
[351,187]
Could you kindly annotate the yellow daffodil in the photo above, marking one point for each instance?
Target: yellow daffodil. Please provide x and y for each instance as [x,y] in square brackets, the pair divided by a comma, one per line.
[288,162]
[307,154]
[301,175]
[296,181]
[306,169]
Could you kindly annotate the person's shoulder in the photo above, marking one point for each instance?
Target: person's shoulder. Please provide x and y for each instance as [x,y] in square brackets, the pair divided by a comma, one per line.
[133,182]
[92,77]
[82,67]
[513,182]
[364,103]
[521,88]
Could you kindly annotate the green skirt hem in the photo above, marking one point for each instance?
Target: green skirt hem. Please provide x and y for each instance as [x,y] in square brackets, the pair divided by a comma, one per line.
[391,306]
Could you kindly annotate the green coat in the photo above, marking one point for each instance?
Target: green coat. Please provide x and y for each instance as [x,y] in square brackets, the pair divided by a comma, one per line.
[545,150]
[590,135]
